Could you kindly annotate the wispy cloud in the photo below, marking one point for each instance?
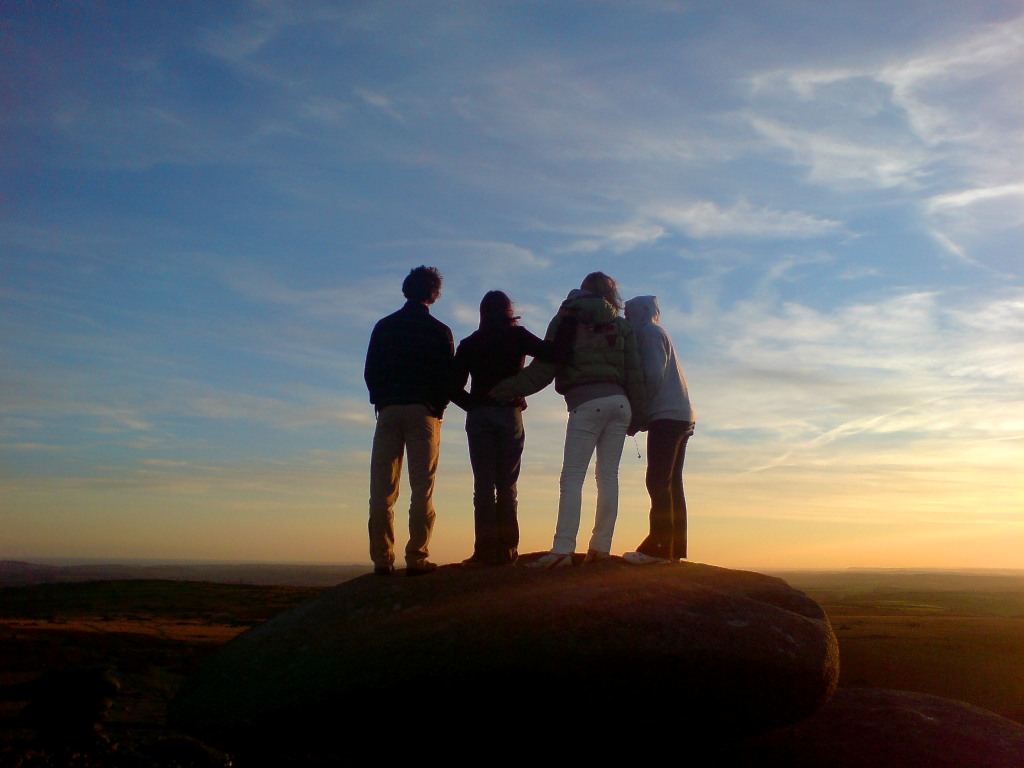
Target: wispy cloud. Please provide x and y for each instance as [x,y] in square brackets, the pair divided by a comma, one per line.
[620,239]
[706,219]
[969,197]
[840,160]
[380,102]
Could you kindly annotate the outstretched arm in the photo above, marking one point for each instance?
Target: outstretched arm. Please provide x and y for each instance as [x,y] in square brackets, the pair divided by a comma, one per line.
[540,372]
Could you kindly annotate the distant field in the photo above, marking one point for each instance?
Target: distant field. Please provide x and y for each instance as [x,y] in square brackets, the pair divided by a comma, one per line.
[960,636]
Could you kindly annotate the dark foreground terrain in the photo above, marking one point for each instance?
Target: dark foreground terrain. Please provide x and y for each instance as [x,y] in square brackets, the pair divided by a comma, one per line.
[957,636]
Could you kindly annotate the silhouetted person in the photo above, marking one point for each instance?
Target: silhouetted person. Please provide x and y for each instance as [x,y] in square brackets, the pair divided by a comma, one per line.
[604,392]
[409,375]
[669,428]
[494,352]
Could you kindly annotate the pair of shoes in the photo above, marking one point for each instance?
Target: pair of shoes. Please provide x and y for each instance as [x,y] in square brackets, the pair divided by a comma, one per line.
[384,570]
[420,567]
[639,558]
[552,560]
[595,556]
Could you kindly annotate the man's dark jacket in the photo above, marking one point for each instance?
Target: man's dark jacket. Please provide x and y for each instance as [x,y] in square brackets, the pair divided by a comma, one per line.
[409,360]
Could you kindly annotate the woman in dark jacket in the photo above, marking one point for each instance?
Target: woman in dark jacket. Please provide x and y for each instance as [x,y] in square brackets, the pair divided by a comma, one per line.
[494,352]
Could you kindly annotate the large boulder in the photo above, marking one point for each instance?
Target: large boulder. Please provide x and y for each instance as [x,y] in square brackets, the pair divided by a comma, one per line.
[878,728]
[704,651]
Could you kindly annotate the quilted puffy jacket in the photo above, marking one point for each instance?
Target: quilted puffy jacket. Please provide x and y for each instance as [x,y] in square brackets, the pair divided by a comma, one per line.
[604,350]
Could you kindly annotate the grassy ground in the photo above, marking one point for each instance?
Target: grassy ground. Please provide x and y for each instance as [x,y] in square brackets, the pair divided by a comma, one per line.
[151,634]
[959,637]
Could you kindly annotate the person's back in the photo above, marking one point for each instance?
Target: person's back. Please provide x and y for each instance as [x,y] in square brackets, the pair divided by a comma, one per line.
[668,395]
[603,387]
[492,354]
[669,429]
[409,359]
[408,373]
[495,429]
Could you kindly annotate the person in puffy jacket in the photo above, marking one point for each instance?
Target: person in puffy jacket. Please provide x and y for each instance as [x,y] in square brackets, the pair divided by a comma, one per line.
[670,426]
[603,386]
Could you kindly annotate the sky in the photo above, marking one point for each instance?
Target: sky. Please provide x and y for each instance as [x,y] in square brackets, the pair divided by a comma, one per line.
[205,207]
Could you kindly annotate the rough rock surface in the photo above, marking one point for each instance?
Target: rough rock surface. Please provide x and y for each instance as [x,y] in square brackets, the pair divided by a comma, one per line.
[877,728]
[705,651]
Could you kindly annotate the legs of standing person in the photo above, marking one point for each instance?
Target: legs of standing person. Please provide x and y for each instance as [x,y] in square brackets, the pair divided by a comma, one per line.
[666,442]
[609,453]
[678,498]
[510,456]
[581,434]
[423,443]
[385,473]
[483,456]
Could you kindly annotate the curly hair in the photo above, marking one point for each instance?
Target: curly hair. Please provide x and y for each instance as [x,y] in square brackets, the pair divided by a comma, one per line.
[422,284]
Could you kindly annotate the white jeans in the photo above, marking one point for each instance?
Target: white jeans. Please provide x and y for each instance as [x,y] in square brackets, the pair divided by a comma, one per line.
[599,424]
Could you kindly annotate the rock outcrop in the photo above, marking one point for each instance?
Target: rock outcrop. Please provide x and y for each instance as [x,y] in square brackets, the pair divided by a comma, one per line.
[876,728]
[706,652]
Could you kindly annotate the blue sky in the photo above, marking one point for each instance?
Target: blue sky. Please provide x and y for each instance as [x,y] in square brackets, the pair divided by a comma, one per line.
[205,207]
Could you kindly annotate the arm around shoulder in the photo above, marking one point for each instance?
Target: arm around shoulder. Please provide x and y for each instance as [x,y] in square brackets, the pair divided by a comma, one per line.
[537,375]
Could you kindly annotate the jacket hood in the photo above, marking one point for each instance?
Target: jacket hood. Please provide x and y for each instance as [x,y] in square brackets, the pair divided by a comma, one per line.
[589,307]
[643,310]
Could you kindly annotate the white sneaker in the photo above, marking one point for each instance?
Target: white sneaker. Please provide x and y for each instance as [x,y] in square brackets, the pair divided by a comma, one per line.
[639,558]
[552,560]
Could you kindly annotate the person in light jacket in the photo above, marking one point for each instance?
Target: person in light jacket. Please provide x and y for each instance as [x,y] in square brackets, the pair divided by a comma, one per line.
[669,427]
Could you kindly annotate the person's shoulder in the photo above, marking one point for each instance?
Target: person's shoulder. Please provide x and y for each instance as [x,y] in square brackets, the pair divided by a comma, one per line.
[440,326]
[393,317]
[471,341]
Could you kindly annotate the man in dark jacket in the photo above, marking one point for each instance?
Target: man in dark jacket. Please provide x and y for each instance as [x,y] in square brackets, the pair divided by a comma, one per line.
[409,374]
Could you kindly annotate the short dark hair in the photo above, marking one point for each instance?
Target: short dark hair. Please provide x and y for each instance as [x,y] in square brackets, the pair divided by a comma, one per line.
[422,284]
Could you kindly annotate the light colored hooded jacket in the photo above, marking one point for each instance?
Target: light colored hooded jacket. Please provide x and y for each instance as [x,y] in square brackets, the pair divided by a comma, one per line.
[667,393]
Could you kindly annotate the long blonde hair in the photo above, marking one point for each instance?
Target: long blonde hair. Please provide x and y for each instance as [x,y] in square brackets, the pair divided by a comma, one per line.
[604,286]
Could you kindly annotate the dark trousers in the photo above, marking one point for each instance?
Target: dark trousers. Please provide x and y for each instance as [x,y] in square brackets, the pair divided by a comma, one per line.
[666,450]
[496,441]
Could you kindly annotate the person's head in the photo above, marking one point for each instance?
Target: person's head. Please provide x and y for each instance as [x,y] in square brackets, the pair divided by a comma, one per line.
[422,284]
[496,309]
[603,286]
[641,310]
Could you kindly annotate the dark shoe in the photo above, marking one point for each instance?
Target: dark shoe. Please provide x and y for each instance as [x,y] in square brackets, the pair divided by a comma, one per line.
[384,570]
[420,568]
[595,556]
[476,561]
